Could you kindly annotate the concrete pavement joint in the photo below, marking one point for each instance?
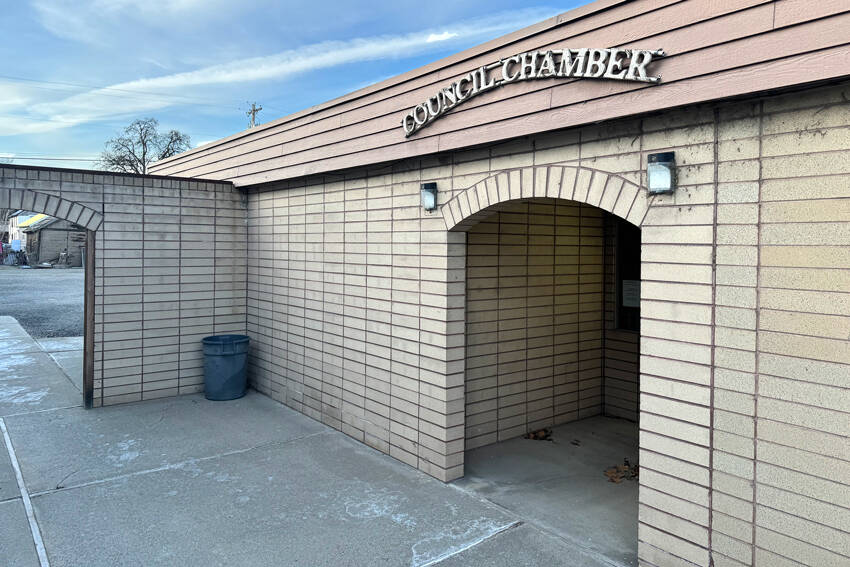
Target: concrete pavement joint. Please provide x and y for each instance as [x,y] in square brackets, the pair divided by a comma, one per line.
[596,555]
[483,500]
[25,497]
[10,499]
[50,354]
[62,370]
[179,465]
[41,411]
[471,544]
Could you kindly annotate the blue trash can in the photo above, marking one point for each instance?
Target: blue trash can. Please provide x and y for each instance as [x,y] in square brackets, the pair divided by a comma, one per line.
[225,366]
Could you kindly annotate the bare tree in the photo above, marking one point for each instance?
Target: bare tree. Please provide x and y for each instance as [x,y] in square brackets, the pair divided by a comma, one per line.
[140,145]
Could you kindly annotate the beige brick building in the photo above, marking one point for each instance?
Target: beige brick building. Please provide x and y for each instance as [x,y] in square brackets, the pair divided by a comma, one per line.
[548,285]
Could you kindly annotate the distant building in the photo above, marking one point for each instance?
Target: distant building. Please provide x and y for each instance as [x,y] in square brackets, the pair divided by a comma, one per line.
[47,238]
[18,220]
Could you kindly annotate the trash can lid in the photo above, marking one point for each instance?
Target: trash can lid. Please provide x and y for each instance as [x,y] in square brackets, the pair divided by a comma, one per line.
[225,339]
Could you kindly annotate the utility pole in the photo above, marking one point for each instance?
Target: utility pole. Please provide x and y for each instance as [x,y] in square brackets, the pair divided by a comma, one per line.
[253,114]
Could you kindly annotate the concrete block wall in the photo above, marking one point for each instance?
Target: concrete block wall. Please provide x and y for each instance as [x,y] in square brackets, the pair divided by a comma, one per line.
[754,411]
[782,354]
[357,296]
[357,307]
[534,317]
[677,243]
[621,347]
[349,308]
[170,269]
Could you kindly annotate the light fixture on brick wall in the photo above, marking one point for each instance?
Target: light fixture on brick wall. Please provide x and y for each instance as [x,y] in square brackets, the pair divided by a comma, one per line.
[661,173]
[428,192]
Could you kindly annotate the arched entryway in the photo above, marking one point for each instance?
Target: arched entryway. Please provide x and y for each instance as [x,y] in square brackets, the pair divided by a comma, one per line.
[78,215]
[551,335]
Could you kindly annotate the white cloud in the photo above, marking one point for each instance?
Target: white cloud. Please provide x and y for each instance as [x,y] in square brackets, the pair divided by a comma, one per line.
[13,96]
[164,91]
[440,36]
[89,20]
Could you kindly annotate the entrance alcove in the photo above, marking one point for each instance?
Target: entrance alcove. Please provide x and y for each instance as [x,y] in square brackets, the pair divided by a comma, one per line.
[552,344]
[545,321]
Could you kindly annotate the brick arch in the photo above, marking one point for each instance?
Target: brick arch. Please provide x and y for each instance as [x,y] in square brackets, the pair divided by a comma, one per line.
[51,205]
[607,191]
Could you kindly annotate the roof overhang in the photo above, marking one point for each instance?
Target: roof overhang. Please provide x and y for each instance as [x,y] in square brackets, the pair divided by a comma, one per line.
[715,51]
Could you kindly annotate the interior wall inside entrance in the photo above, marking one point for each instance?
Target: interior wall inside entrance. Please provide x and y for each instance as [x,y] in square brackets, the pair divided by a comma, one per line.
[543,343]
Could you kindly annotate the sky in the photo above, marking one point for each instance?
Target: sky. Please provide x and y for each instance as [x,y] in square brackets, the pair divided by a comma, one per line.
[76,72]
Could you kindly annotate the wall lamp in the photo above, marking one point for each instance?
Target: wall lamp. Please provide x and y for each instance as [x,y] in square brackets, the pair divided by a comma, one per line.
[661,173]
[428,191]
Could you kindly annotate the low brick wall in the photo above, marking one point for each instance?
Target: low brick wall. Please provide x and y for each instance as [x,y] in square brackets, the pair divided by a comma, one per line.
[170,269]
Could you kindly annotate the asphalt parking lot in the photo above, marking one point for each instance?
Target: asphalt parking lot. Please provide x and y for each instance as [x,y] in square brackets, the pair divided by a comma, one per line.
[47,303]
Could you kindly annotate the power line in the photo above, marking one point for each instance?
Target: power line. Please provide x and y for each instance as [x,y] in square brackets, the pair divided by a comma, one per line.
[16,158]
[115,89]
[99,121]
[38,154]
[120,90]
[55,120]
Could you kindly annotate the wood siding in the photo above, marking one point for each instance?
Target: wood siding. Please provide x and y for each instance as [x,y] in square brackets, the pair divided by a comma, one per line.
[717,49]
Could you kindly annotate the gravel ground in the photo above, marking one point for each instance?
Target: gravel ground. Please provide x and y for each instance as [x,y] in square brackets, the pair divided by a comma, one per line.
[47,303]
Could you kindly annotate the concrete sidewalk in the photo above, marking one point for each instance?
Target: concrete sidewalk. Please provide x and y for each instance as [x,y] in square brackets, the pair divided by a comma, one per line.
[249,482]
[30,378]
[559,486]
[186,481]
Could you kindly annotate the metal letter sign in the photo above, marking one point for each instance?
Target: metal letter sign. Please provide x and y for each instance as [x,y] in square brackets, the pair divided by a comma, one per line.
[617,64]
